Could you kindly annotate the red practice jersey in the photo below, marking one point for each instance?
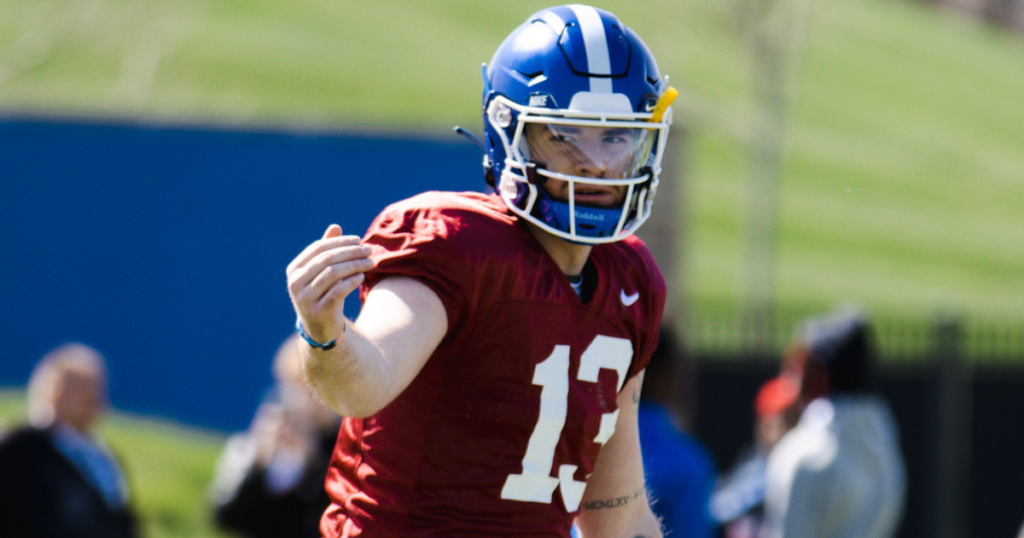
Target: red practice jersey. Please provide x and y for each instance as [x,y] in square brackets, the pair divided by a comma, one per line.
[498,433]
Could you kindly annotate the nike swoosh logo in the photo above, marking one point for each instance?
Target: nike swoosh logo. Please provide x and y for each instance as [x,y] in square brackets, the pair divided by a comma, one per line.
[628,300]
[649,106]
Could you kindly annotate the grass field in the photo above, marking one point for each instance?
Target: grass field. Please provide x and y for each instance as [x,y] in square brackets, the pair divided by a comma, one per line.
[169,467]
[903,176]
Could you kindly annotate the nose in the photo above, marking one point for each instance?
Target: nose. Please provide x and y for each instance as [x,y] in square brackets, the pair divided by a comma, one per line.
[586,166]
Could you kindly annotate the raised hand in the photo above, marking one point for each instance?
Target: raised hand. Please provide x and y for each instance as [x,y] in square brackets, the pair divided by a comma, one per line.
[320,278]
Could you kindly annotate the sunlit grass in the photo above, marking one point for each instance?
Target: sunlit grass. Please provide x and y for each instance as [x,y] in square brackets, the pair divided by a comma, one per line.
[903,174]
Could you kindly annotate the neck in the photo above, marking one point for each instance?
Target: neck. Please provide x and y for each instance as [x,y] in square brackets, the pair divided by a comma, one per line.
[569,257]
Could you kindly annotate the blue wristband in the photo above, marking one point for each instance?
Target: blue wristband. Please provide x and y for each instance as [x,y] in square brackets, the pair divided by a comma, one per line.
[310,341]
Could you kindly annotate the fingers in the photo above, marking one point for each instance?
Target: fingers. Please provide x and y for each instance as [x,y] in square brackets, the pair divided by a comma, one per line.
[331,267]
[332,231]
[322,275]
[332,238]
[327,268]
[321,317]
[339,290]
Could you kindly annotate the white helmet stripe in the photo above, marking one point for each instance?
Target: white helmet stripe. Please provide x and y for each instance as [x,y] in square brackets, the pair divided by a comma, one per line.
[599,61]
[553,20]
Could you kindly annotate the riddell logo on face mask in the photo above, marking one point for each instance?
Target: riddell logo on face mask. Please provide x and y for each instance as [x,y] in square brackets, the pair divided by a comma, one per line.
[592,217]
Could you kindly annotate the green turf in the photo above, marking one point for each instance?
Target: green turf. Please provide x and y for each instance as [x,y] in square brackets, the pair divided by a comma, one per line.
[903,177]
[169,468]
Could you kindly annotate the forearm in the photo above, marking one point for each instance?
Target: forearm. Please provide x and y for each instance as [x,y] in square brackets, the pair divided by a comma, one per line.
[615,504]
[378,355]
[627,516]
[375,358]
[352,378]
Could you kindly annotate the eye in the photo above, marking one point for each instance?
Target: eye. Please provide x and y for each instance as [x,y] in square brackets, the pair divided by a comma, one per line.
[616,136]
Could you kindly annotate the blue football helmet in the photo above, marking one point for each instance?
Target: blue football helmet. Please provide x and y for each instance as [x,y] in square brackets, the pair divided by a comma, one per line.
[575,96]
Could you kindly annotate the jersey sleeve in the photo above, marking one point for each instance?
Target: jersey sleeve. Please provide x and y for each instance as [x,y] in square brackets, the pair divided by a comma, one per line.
[649,341]
[415,242]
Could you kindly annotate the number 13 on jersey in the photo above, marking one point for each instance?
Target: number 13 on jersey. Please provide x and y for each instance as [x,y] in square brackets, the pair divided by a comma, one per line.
[535,483]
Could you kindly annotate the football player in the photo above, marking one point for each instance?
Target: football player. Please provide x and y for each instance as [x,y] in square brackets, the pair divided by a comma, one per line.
[491,380]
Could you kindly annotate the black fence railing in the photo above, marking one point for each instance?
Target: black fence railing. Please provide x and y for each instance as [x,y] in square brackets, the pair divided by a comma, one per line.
[899,339]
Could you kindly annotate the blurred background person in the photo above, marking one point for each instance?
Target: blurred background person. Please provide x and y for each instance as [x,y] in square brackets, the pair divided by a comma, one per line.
[679,470]
[57,476]
[270,480]
[738,501]
[839,472]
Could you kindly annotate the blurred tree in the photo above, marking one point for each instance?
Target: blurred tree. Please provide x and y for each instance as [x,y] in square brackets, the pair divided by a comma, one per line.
[775,30]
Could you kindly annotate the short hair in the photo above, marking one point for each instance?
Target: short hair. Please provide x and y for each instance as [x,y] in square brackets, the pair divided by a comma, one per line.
[51,369]
[842,343]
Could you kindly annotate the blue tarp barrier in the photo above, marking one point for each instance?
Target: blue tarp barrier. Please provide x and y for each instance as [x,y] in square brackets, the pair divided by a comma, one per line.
[165,247]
